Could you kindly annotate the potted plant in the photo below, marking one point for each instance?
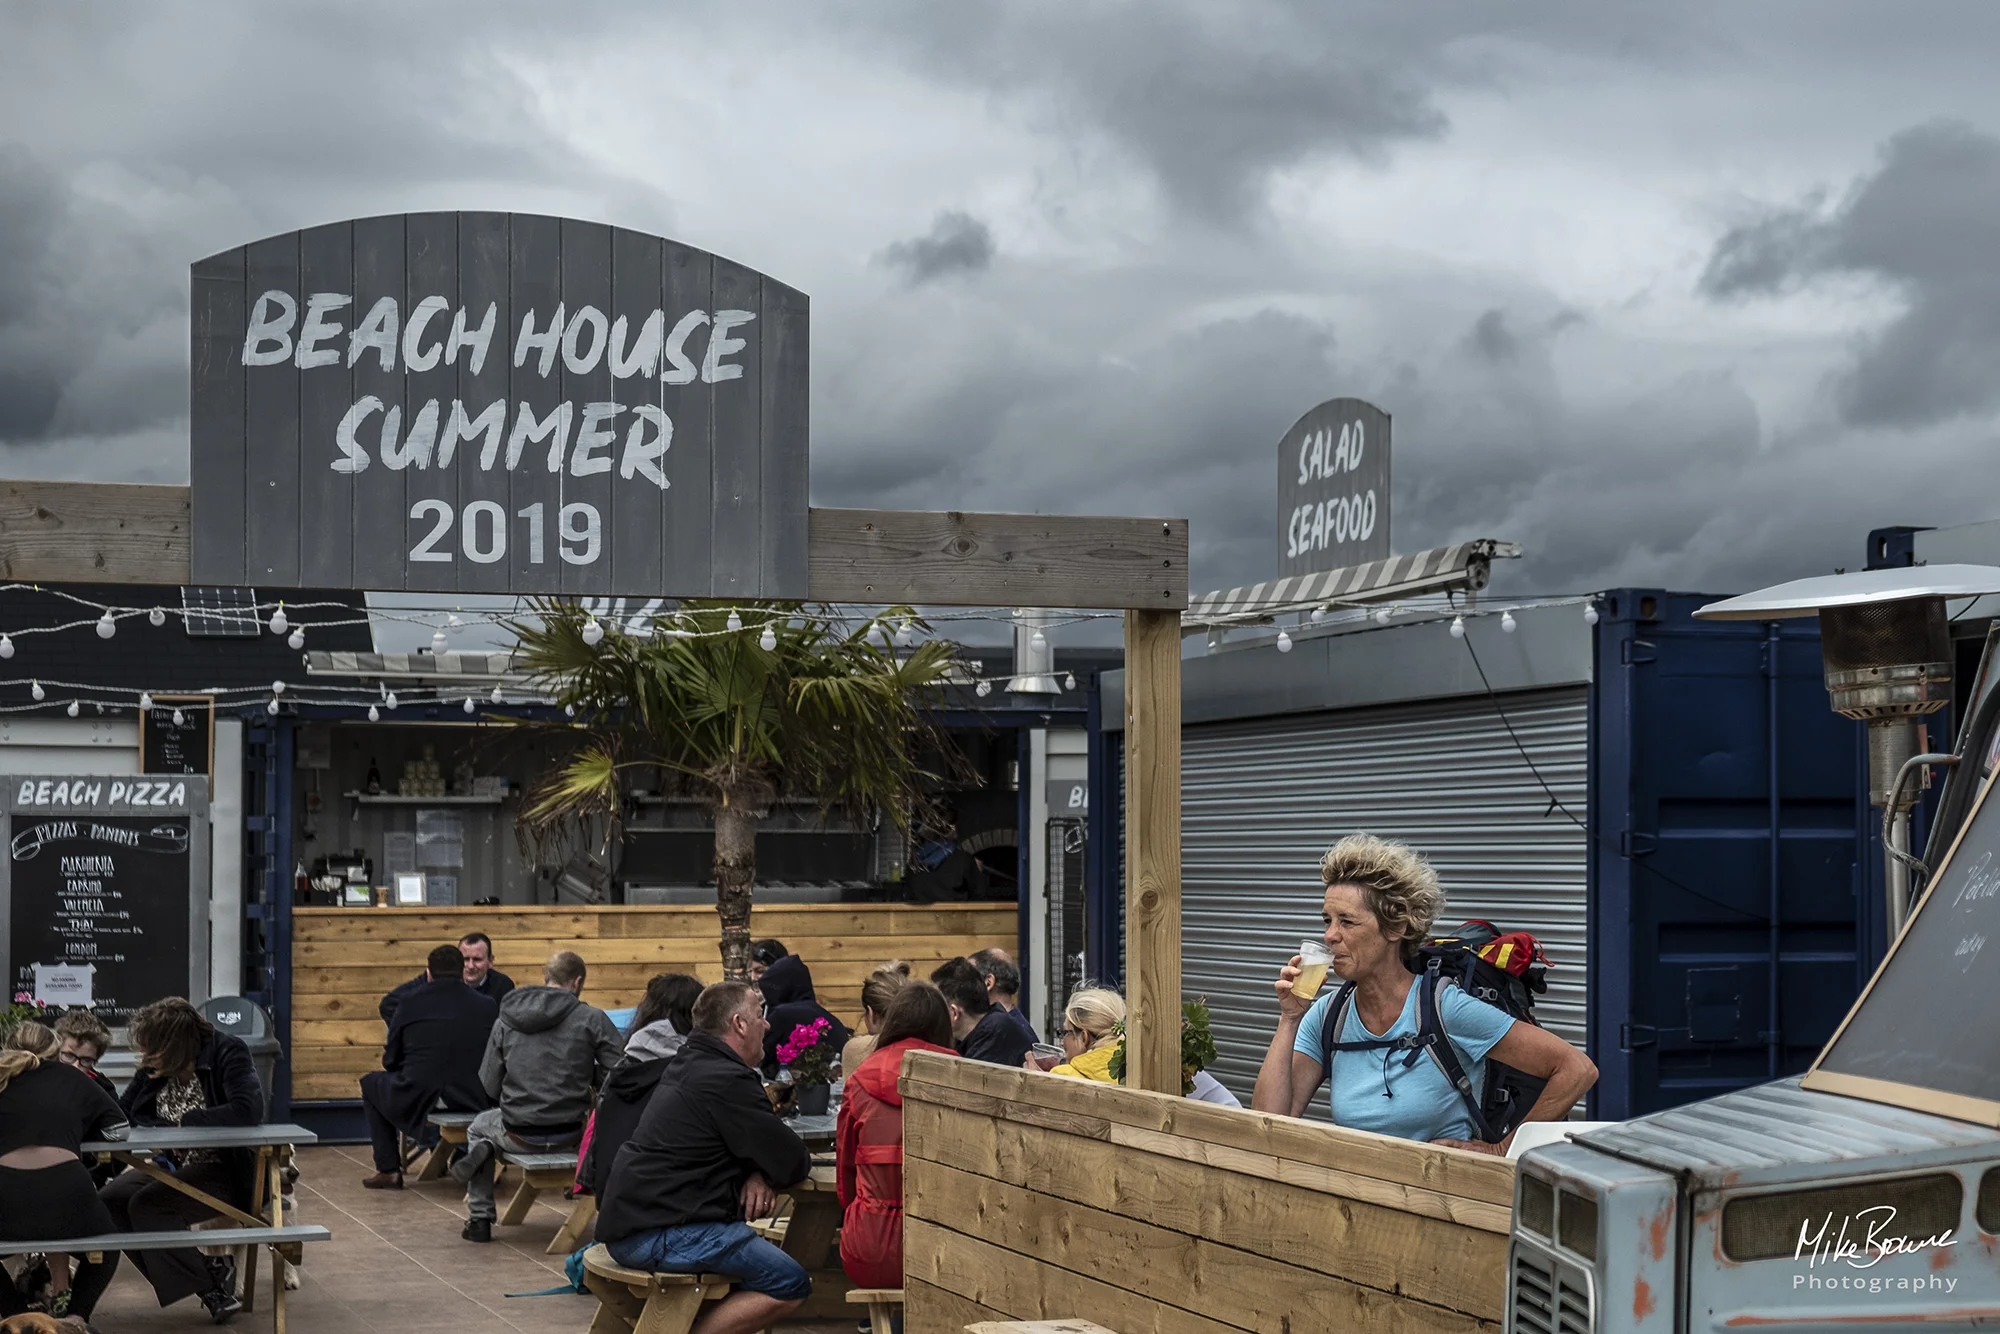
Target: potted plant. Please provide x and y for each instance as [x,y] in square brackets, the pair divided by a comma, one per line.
[806,1060]
[1197,1044]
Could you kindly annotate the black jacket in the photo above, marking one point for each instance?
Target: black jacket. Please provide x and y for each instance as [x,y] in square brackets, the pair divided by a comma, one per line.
[788,996]
[619,1108]
[998,1039]
[232,1095]
[433,1052]
[493,986]
[707,1127]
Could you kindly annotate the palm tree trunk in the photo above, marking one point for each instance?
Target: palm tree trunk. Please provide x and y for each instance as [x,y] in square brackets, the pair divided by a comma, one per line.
[736,821]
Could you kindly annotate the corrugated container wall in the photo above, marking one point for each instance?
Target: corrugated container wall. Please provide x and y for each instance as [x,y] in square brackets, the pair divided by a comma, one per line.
[1619,791]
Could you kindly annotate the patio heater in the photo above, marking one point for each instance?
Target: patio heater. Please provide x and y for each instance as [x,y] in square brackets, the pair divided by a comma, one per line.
[1887,649]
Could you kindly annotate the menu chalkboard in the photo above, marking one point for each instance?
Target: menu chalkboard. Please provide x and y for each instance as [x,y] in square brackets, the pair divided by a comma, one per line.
[105,882]
[1924,1033]
[186,746]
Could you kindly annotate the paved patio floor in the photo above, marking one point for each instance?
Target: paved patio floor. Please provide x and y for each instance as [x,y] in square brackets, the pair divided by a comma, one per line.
[396,1264]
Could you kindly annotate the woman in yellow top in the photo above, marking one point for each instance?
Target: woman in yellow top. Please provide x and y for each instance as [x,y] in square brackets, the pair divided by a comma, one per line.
[1090,1034]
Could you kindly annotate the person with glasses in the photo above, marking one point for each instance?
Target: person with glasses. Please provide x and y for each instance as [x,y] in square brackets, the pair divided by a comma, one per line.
[1090,1033]
[84,1040]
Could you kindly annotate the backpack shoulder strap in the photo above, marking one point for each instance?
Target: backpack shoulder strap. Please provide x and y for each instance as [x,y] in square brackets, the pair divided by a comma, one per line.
[1333,1022]
[1435,1040]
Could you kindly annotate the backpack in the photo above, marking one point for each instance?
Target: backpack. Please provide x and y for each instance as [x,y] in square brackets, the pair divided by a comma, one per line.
[1507,970]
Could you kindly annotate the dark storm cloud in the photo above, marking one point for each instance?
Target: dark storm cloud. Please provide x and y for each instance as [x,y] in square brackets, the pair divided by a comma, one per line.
[1927,222]
[956,243]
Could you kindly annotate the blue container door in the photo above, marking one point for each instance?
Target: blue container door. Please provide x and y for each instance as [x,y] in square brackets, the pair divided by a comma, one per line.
[1731,881]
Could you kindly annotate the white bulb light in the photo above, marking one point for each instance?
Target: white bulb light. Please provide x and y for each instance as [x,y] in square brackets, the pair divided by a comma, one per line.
[37,691]
[72,710]
[1381,616]
[439,643]
[904,635]
[6,646]
[1458,627]
[1284,642]
[768,641]
[145,700]
[1507,621]
[278,621]
[985,688]
[1319,615]
[180,719]
[297,640]
[496,696]
[158,616]
[271,707]
[390,700]
[277,687]
[1590,613]
[569,710]
[735,622]
[469,705]
[1038,641]
[593,633]
[1069,680]
[374,714]
[106,627]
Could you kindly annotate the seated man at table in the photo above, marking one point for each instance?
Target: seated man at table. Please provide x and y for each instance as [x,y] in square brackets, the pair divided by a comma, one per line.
[1003,985]
[982,1029]
[430,1063]
[479,974]
[190,1074]
[706,1156]
[545,1055]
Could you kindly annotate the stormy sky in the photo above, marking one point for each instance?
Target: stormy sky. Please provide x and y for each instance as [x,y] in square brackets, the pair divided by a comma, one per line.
[1687,295]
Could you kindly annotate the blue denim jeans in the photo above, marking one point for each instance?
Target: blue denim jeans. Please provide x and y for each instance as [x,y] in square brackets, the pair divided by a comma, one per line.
[716,1248]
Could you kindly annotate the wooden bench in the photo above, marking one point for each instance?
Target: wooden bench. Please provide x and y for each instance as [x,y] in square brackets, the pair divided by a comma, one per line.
[882,1304]
[1037,1327]
[549,1171]
[629,1300]
[286,1243]
[451,1128]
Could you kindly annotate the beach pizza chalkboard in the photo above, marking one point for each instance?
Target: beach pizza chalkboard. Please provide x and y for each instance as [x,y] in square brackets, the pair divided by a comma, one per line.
[105,890]
[177,735]
[1922,1035]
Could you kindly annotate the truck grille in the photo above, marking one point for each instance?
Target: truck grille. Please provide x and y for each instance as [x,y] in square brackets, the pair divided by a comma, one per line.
[1549,1297]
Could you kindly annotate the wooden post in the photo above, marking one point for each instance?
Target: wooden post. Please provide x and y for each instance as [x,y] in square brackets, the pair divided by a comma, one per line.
[1153,851]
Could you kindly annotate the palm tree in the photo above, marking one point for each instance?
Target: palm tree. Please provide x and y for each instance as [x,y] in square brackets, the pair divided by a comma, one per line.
[739,704]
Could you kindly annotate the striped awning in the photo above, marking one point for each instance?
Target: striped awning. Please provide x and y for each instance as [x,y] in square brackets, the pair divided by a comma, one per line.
[1462,565]
[415,666]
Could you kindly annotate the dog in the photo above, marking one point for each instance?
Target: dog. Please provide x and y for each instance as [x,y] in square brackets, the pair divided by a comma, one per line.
[34,1322]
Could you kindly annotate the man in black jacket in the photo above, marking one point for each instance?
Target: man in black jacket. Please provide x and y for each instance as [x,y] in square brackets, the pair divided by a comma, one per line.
[431,1062]
[479,974]
[706,1156]
[982,1029]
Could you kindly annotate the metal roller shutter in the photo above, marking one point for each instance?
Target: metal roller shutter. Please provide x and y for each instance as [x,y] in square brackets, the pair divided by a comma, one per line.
[1262,800]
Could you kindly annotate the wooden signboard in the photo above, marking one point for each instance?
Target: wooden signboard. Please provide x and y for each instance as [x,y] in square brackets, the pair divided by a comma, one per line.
[98,890]
[496,403]
[1333,488]
[1914,1038]
[186,747]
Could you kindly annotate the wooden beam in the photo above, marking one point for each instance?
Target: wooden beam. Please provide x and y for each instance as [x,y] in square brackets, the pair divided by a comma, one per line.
[93,532]
[1153,851]
[997,560]
[114,533]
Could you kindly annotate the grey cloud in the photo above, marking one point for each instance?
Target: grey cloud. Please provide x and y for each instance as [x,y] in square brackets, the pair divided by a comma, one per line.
[957,243]
[1490,338]
[1927,222]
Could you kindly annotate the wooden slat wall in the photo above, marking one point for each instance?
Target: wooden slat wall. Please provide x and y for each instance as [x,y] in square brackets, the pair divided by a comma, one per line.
[345,959]
[1037,1197]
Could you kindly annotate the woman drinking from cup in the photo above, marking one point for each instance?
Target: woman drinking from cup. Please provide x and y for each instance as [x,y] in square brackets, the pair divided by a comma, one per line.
[1380,901]
[1089,1034]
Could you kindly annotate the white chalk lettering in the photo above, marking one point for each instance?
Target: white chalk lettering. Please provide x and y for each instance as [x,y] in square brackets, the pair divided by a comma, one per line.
[414,356]
[353,457]
[268,340]
[547,342]
[592,434]
[675,367]
[588,320]
[318,328]
[644,351]
[643,453]
[378,330]
[477,339]
[414,450]
[491,423]
[720,345]
[527,430]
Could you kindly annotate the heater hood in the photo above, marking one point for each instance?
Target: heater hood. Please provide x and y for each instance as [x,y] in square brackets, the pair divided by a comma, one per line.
[1804,597]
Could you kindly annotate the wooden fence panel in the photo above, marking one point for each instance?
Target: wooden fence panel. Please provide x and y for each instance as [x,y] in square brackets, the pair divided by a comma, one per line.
[1042,1198]
[345,959]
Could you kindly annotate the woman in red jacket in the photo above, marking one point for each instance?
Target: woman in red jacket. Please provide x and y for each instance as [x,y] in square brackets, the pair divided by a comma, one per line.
[871,1138]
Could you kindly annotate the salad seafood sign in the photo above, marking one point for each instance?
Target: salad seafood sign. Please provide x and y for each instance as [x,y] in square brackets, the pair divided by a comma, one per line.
[99,885]
[496,402]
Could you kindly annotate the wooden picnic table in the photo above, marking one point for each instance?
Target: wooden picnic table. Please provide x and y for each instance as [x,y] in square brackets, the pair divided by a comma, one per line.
[814,1219]
[274,1145]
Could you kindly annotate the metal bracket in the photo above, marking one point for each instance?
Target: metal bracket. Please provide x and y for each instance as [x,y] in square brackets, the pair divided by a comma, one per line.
[1637,843]
[1629,1039]
[1631,652]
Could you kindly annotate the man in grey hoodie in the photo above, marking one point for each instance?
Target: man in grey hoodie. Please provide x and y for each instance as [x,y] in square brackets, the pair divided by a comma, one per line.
[545,1055]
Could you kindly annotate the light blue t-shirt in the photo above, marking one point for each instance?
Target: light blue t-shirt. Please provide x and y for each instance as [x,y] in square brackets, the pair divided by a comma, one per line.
[1422,1105]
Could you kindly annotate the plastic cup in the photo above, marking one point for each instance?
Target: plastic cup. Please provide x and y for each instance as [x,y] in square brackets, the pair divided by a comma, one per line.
[1047,1055]
[1314,960]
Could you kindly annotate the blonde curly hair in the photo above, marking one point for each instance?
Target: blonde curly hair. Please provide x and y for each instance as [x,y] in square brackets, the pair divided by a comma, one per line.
[1396,883]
